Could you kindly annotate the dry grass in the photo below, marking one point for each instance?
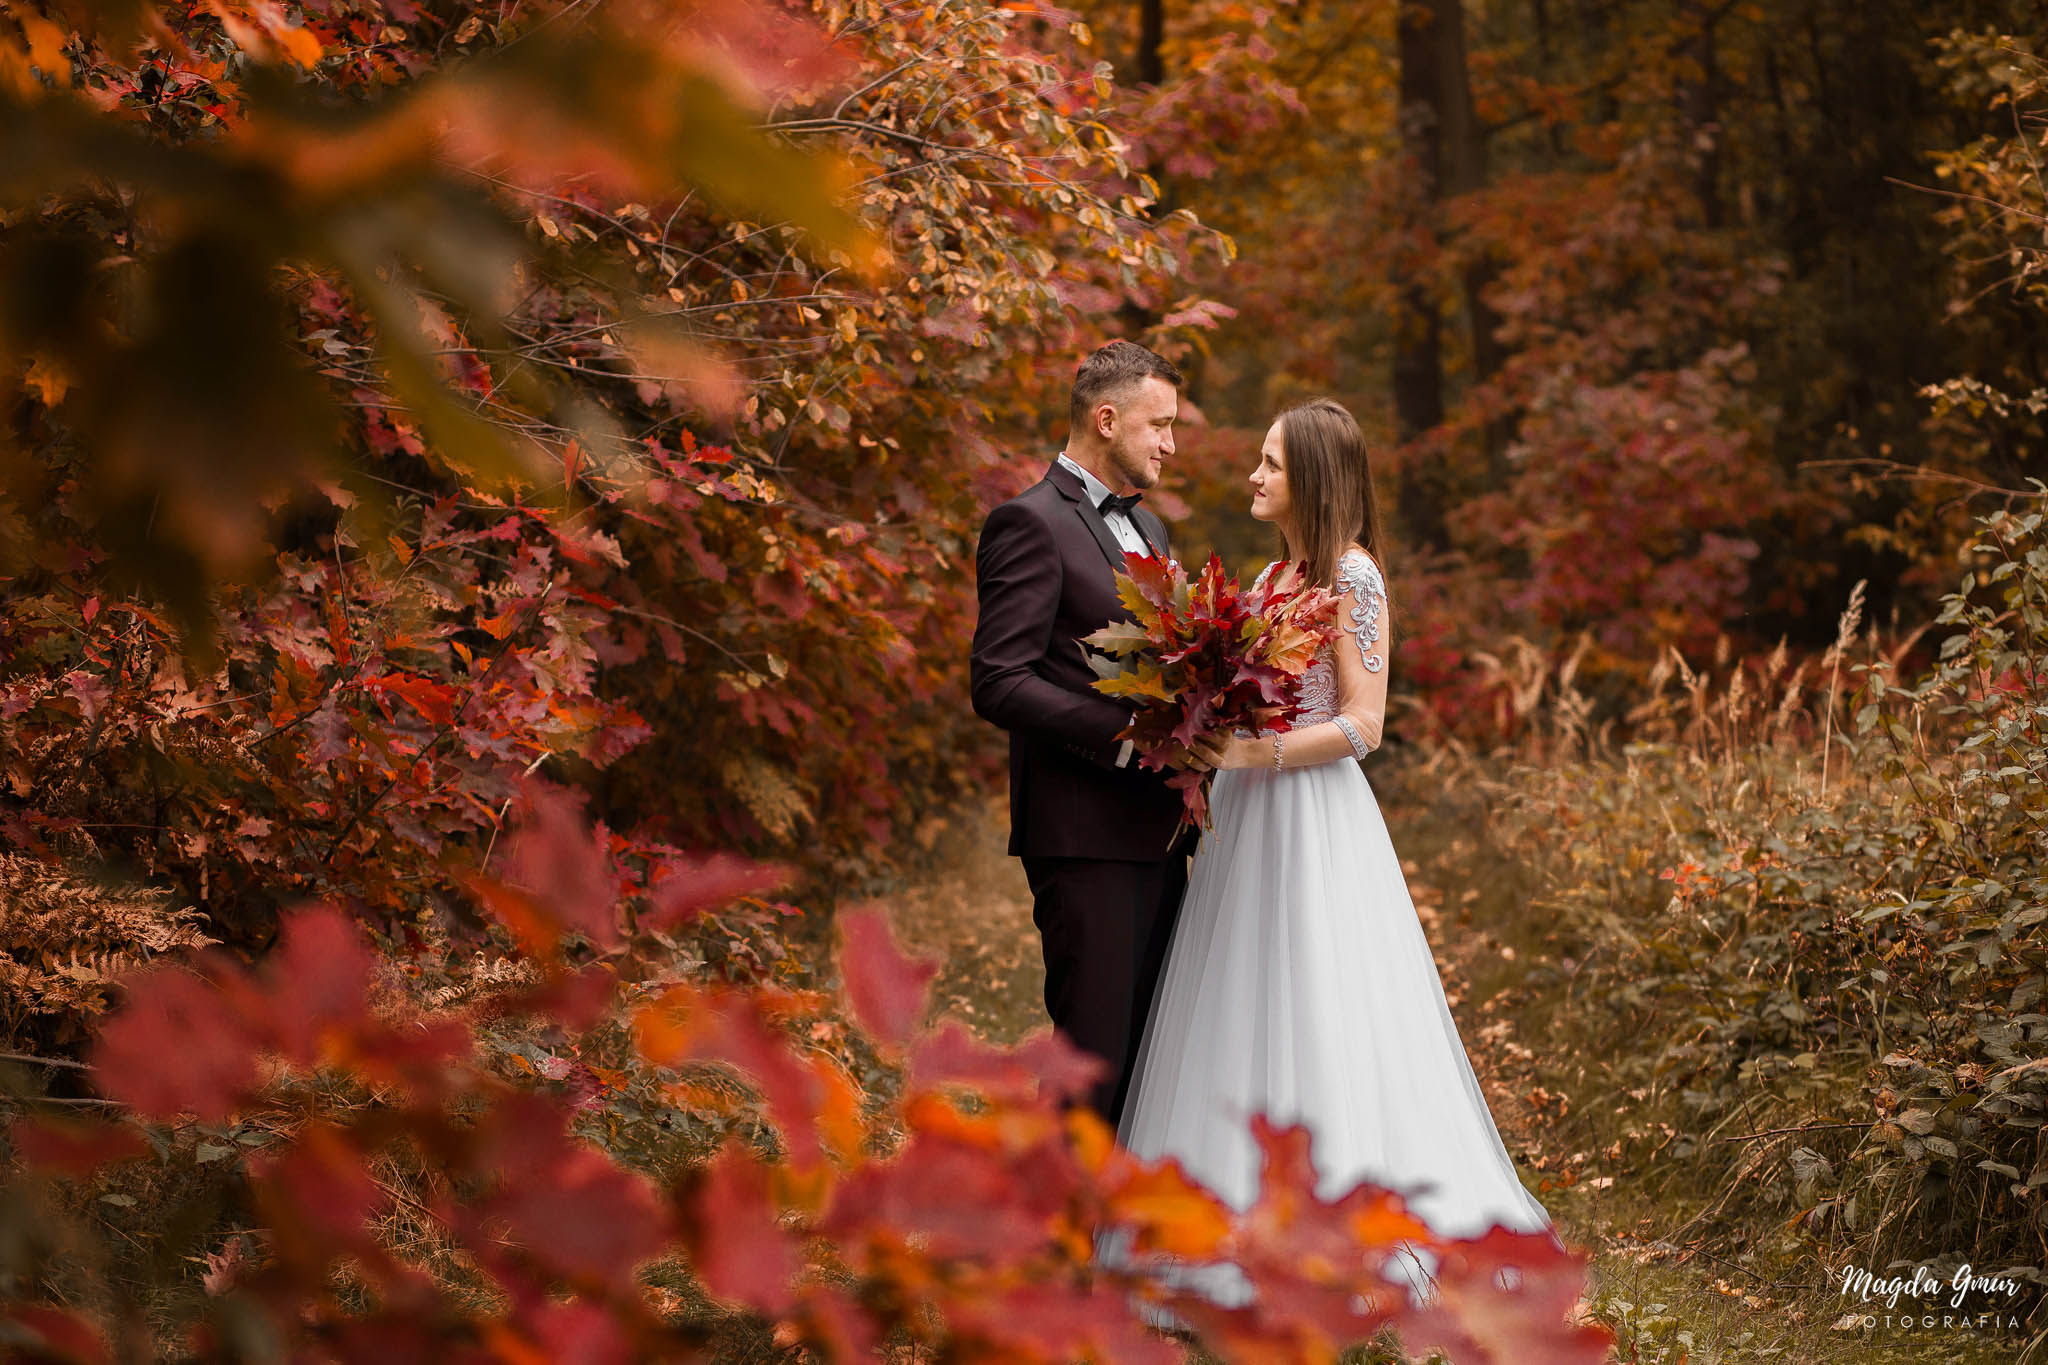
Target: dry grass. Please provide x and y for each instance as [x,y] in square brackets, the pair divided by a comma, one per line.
[972,912]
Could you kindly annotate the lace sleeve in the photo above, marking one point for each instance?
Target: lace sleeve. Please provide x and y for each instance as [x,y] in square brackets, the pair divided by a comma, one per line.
[1365,618]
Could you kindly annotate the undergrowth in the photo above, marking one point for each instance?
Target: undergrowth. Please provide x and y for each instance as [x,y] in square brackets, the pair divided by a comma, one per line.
[1780,946]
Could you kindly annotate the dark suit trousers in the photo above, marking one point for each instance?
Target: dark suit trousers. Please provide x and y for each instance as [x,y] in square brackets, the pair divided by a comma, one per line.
[1105,927]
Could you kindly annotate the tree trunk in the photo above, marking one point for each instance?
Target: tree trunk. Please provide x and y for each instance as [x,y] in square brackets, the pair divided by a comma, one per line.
[1465,170]
[1446,155]
[1418,374]
[1461,147]
[1700,97]
[1150,66]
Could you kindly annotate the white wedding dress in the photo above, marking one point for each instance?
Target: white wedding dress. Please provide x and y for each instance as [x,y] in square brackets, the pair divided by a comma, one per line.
[1300,985]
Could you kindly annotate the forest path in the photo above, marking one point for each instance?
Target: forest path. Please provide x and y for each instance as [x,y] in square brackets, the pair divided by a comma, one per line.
[1668,1302]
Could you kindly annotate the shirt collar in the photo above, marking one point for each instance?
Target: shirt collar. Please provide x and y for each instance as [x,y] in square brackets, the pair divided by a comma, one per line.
[1097,489]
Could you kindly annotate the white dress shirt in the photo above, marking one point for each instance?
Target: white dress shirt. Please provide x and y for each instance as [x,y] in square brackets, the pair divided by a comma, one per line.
[1120,524]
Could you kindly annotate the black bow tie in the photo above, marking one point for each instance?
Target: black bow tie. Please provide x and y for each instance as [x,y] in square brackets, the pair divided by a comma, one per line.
[1118,502]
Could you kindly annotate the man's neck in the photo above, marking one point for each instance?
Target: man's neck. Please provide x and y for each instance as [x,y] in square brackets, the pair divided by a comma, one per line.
[1098,466]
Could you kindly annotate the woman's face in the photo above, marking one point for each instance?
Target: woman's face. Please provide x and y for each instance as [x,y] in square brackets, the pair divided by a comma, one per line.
[1270,501]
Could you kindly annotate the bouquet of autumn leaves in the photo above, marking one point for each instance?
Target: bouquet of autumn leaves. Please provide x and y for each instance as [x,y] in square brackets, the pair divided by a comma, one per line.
[1206,658]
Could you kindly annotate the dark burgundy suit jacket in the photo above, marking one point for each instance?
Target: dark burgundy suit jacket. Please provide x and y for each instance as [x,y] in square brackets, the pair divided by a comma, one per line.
[1045,575]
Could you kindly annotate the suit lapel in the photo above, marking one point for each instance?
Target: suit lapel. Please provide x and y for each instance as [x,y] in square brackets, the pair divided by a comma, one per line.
[1103,535]
[1075,492]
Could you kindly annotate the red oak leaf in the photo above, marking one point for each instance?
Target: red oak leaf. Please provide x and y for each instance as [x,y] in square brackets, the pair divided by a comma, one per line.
[683,888]
[72,1147]
[737,1248]
[951,1198]
[52,1334]
[1054,1322]
[566,867]
[1509,1298]
[835,1323]
[567,1204]
[802,1094]
[886,989]
[319,981]
[434,701]
[1044,1064]
[319,1195]
[178,1047]
[576,1333]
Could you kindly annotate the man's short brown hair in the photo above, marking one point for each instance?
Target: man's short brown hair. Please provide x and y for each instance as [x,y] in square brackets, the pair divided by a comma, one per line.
[1111,372]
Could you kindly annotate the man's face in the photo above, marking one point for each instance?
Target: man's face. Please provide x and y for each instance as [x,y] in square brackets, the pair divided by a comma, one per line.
[1142,435]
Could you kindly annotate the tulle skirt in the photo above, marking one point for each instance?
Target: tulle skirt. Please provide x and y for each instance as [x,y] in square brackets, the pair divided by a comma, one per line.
[1300,985]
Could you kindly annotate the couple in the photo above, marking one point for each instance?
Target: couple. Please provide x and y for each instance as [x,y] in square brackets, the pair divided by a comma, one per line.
[1287,975]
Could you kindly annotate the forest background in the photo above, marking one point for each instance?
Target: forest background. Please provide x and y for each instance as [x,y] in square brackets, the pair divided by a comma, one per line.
[421,412]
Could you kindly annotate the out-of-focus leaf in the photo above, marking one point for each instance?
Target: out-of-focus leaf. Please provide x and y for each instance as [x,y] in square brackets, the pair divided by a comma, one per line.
[735,1244]
[887,989]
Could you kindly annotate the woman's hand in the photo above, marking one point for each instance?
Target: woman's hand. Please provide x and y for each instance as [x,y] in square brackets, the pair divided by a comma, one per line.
[1228,751]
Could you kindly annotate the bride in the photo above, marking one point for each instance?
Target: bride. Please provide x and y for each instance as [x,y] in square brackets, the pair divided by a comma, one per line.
[1299,983]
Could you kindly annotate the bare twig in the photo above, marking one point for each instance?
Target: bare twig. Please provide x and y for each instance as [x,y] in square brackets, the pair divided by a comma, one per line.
[1913,474]
[1802,1128]
[33,1060]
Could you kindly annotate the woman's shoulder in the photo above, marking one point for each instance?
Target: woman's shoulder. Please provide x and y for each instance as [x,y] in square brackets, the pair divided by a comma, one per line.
[1358,564]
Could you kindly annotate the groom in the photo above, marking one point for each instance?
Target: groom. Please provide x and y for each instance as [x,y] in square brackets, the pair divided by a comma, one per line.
[1093,828]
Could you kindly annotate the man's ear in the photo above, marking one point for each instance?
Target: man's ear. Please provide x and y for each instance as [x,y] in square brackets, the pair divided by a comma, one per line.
[1105,420]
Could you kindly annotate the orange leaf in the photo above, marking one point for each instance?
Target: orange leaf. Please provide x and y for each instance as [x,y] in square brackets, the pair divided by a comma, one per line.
[299,44]
[538,932]
[1094,1141]
[1384,1221]
[1172,1213]
[49,379]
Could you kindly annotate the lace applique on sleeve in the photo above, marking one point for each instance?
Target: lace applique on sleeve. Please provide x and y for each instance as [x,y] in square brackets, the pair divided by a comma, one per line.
[1360,577]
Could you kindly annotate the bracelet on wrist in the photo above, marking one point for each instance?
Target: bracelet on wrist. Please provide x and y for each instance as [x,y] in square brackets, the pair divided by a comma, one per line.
[1276,751]
[1359,748]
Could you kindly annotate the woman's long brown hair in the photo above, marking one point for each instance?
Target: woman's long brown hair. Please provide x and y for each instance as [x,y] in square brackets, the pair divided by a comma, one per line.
[1329,484]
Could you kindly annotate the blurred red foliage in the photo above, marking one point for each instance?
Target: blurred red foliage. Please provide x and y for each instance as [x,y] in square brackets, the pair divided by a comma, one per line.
[964,1210]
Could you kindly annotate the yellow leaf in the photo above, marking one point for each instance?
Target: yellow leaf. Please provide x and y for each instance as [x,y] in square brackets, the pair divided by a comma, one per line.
[1145,682]
[1120,637]
[1133,598]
